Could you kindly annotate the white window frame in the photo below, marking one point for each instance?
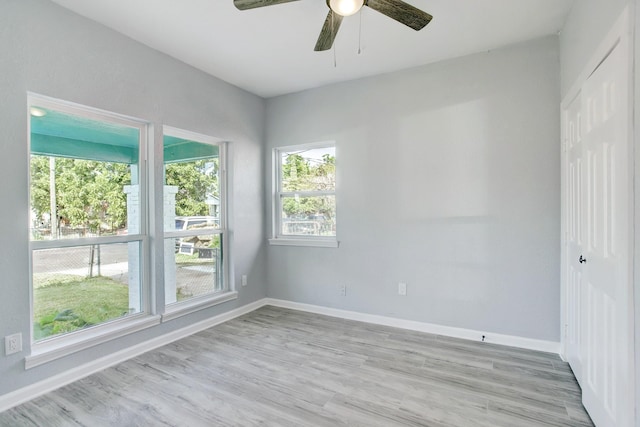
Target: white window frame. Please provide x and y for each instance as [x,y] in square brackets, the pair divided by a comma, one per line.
[194,304]
[293,240]
[54,347]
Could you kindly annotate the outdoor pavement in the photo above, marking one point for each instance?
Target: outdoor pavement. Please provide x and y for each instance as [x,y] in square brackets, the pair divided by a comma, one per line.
[192,280]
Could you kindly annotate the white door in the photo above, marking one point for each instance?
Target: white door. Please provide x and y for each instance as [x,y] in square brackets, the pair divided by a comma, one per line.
[573,232]
[604,295]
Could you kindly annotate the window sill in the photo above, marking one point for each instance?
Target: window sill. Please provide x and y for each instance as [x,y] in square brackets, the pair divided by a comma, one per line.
[305,242]
[65,345]
[58,347]
[176,310]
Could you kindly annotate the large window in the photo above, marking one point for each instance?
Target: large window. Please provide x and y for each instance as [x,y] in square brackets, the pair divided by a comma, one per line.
[92,249]
[87,224]
[305,198]
[194,217]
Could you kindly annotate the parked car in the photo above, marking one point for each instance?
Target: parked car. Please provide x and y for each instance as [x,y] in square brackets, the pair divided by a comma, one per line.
[187,245]
[191,222]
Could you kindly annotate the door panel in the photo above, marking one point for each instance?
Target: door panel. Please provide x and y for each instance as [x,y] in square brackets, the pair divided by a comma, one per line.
[604,351]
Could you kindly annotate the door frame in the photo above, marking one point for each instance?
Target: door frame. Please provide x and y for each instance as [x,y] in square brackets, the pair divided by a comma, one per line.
[564,211]
[620,33]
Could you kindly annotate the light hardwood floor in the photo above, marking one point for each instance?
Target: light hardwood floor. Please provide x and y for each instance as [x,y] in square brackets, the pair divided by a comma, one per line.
[279,367]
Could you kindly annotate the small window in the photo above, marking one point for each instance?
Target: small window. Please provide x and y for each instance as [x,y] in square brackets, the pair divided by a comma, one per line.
[305,194]
[193,216]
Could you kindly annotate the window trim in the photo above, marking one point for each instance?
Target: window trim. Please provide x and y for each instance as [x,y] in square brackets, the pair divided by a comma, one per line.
[191,305]
[279,239]
[304,242]
[57,346]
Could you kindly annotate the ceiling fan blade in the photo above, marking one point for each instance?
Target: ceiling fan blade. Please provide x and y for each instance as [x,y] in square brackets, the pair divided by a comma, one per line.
[252,4]
[328,32]
[402,12]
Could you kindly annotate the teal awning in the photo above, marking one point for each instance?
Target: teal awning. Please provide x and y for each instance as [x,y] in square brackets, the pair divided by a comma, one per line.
[60,134]
[184,150]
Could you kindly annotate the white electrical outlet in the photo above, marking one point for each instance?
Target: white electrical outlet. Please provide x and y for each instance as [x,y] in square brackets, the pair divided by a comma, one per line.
[343,290]
[12,344]
[244,280]
[402,289]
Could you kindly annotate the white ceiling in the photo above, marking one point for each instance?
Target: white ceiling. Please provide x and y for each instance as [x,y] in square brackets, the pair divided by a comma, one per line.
[269,51]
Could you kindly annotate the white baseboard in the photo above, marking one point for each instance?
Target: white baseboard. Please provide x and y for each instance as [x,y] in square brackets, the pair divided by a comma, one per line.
[32,391]
[47,385]
[449,331]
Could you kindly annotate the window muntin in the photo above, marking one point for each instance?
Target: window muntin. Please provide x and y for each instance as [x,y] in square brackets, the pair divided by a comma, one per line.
[193,216]
[87,230]
[305,204]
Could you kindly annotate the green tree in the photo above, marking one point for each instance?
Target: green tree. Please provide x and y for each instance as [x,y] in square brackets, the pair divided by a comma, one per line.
[88,193]
[296,173]
[40,185]
[304,174]
[196,181]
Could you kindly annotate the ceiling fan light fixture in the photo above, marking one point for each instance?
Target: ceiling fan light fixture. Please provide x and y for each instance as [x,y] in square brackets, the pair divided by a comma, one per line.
[346,7]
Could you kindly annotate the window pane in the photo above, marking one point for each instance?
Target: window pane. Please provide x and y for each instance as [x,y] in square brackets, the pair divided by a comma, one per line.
[82,286]
[309,216]
[91,198]
[196,269]
[191,193]
[309,170]
[84,176]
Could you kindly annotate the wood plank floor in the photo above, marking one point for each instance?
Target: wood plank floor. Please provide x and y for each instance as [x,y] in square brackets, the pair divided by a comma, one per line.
[279,367]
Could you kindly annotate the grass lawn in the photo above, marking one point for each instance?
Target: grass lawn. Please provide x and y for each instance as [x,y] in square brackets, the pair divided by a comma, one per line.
[67,303]
[64,303]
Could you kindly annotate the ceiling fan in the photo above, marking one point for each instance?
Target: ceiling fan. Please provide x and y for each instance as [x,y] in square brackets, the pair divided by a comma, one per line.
[395,9]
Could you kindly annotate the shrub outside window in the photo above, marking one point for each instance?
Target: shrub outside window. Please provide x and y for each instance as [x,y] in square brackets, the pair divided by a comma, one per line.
[305,198]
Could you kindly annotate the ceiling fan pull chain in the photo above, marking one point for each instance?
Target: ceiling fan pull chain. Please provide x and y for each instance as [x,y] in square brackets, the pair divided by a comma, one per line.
[333,30]
[360,34]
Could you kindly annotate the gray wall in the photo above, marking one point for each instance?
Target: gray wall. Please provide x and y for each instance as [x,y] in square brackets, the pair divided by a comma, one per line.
[48,50]
[586,26]
[448,180]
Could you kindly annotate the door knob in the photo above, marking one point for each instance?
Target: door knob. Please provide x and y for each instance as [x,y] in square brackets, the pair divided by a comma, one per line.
[582,260]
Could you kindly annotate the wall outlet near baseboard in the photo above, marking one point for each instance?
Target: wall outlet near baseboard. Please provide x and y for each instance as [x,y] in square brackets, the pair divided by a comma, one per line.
[12,344]
[343,290]
[402,289]
[244,280]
